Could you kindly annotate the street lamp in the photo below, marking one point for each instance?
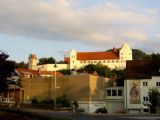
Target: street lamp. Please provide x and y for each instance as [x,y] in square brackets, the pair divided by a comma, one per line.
[55,85]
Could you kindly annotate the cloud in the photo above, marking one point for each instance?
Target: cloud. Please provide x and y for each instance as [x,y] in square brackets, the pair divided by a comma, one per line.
[135,35]
[59,20]
[157,35]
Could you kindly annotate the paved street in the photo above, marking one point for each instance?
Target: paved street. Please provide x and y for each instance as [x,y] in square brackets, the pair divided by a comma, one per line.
[68,114]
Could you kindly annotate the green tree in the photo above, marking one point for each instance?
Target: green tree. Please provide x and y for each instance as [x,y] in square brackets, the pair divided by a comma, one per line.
[155,56]
[101,70]
[139,55]
[153,98]
[65,71]
[21,65]
[7,69]
[118,75]
[49,60]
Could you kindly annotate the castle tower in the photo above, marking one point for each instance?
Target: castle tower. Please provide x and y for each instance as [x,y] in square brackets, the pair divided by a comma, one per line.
[32,61]
[73,59]
[125,54]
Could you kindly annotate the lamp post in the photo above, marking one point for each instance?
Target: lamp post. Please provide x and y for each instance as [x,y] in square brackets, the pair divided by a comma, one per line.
[55,85]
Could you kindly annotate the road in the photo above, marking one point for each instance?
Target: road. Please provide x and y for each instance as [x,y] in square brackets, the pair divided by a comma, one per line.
[94,116]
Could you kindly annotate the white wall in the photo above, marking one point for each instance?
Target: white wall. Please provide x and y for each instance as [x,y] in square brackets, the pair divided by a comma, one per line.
[91,106]
[143,91]
[50,67]
[115,106]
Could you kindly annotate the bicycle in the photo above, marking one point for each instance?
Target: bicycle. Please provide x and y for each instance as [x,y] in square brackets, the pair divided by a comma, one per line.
[77,112]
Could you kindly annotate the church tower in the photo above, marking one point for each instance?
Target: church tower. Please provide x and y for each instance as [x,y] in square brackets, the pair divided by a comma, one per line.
[32,61]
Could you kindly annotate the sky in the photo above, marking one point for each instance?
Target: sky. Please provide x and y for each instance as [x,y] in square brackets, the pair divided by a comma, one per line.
[51,28]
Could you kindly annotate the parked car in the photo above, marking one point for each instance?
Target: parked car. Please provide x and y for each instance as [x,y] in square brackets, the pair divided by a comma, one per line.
[101,110]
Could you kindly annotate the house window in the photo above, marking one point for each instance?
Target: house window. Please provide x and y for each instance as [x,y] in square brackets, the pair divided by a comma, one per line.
[145,83]
[119,92]
[108,92]
[114,93]
[145,98]
[157,83]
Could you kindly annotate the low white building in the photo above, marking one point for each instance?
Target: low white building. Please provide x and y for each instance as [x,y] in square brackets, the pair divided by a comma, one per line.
[114,59]
[115,99]
[141,75]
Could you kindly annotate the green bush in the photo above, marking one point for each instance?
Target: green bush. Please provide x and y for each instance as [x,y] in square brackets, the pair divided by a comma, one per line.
[63,101]
[35,101]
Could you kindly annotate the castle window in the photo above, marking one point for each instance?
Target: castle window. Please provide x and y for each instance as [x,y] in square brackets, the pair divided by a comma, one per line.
[104,61]
[116,61]
[95,61]
[108,61]
[121,53]
[88,61]
[112,61]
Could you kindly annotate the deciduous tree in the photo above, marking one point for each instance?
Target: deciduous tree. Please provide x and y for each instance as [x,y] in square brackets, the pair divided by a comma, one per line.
[7,69]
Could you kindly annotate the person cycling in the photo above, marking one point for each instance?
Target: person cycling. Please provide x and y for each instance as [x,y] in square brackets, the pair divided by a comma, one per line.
[75,106]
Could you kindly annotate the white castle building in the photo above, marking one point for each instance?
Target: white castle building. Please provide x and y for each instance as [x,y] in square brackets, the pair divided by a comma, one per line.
[114,59]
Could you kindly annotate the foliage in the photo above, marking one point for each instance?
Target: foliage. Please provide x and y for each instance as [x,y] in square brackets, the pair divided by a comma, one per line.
[104,71]
[7,68]
[155,56]
[153,98]
[65,71]
[49,60]
[139,55]
[34,101]
[21,65]
[118,75]
[100,69]
[63,101]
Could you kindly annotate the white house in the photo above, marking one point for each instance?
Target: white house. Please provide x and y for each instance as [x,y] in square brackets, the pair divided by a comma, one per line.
[115,99]
[115,58]
[141,75]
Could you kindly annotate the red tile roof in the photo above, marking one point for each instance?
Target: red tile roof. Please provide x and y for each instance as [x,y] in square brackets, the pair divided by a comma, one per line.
[104,55]
[24,71]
